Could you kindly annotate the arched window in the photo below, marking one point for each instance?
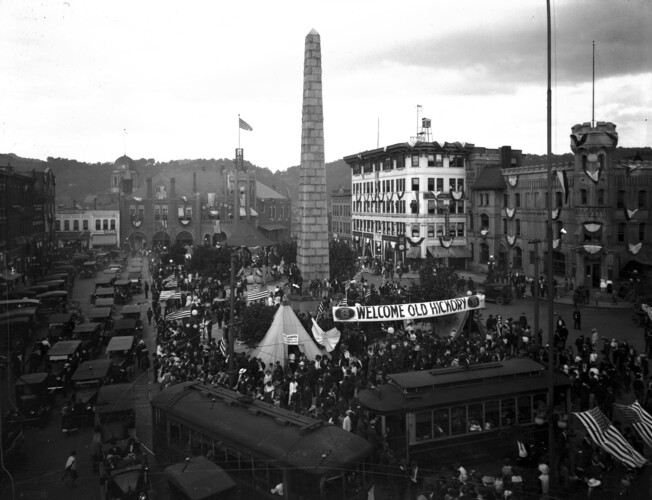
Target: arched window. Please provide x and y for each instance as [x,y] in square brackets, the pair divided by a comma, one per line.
[621,232]
[518,258]
[75,225]
[66,225]
[620,200]
[484,221]
[642,199]
[484,253]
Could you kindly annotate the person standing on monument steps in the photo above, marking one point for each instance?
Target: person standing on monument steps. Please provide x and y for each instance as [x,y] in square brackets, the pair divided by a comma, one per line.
[577,319]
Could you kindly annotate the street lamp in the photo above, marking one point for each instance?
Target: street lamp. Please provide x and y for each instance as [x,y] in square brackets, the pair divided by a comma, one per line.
[491,267]
[634,280]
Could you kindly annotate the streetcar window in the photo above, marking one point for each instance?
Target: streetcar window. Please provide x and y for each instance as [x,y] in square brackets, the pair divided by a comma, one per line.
[423,425]
[524,410]
[507,412]
[458,420]
[476,418]
[441,422]
[491,415]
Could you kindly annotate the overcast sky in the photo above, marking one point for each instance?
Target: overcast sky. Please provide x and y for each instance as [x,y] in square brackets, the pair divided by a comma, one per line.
[75,75]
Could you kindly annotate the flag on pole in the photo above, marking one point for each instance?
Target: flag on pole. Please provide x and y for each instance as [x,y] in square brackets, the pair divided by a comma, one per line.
[320,311]
[244,125]
[344,302]
[605,435]
[223,346]
[367,293]
[347,285]
[640,420]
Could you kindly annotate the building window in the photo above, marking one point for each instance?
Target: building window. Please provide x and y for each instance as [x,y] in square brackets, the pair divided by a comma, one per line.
[414,207]
[460,229]
[400,185]
[432,207]
[431,160]
[559,200]
[157,212]
[66,225]
[164,212]
[112,225]
[105,224]
[517,200]
[584,198]
[471,223]
[518,258]
[505,200]
[517,225]
[504,226]
[85,224]
[600,196]
[75,225]
[415,230]
[440,184]
[642,199]
[98,224]
[400,161]
[484,221]
[484,253]
[415,160]
[431,230]
[620,200]
[439,161]
[621,232]
[641,231]
[57,225]
[415,184]
[431,183]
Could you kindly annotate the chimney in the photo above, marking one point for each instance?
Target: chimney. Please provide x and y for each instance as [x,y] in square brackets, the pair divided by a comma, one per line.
[505,156]
[150,193]
[194,182]
[173,188]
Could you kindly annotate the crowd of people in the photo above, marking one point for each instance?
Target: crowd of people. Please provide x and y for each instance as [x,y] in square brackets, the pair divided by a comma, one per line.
[600,370]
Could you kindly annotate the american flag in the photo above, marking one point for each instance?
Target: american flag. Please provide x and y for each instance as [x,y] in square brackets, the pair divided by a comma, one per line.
[639,419]
[383,282]
[347,285]
[320,311]
[344,302]
[367,293]
[223,346]
[179,314]
[608,438]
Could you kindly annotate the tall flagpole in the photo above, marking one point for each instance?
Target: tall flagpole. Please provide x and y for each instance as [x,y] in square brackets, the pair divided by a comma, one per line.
[238,130]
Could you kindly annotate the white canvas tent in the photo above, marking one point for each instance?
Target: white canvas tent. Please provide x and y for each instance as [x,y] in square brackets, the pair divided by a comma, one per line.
[286,324]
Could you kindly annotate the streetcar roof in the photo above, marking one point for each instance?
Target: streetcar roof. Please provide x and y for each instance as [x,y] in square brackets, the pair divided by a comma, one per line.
[412,391]
[199,478]
[262,429]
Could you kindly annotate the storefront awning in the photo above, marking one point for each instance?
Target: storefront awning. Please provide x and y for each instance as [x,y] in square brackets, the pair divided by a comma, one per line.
[455,252]
[104,239]
[271,226]
[413,253]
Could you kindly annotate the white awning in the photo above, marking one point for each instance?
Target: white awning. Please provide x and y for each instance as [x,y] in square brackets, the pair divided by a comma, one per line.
[243,212]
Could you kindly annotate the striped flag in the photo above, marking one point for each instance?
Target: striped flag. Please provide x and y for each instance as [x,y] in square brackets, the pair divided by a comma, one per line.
[367,293]
[605,435]
[223,346]
[320,311]
[255,295]
[180,314]
[640,420]
[347,285]
[383,282]
[344,302]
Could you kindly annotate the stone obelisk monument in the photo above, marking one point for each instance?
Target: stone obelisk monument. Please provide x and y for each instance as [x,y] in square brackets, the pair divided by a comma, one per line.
[312,247]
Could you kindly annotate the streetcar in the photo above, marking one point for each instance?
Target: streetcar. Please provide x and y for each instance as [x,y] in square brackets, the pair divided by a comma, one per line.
[261,446]
[467,413]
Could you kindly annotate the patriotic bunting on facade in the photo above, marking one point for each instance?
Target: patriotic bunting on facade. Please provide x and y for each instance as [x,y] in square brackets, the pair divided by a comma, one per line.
[629,213]
[563,181]
[255,295]
[593,167]
[556,243]
[592,227]
[169,295]
[639,419]
[510,213]
[328,339]
[512,180]
[631,167]
[511,240]
[320,311]
[457,195]
[556,213]
[605,435]
[592,249]
[634,249]
[648,310]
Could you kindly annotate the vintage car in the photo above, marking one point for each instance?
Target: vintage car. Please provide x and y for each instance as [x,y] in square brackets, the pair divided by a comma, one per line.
[87,380]
[63,358]
[61,326]
[122,351]
[34,398]
[88,270]
[500,293]
[92,338]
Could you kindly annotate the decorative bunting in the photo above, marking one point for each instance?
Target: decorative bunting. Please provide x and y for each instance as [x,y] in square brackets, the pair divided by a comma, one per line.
[593,168]
[510,212]
[556,213]
[511,240]
[556,244]
[445,242]
[457,195]
[512,180]
[634,249]
[563,181]
[415,243]
[592,227]
[631,167]
[592,249]
[639,419]
[136,222]
[629,213]
[483,232]
[399,195]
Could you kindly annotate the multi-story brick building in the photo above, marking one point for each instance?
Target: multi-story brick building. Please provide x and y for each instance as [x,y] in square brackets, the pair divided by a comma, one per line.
[340,215]
[27,205]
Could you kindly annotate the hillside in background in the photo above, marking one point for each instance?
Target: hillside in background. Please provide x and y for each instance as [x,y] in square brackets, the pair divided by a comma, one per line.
[76,180]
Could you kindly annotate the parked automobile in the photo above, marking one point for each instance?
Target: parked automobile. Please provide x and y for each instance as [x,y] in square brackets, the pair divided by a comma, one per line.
[63,359]
[61,326]
[122,351]
[92,338]
[34,398]
[500,293]
[87,380]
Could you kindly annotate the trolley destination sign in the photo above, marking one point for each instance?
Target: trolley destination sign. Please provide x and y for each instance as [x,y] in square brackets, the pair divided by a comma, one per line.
[416,310]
